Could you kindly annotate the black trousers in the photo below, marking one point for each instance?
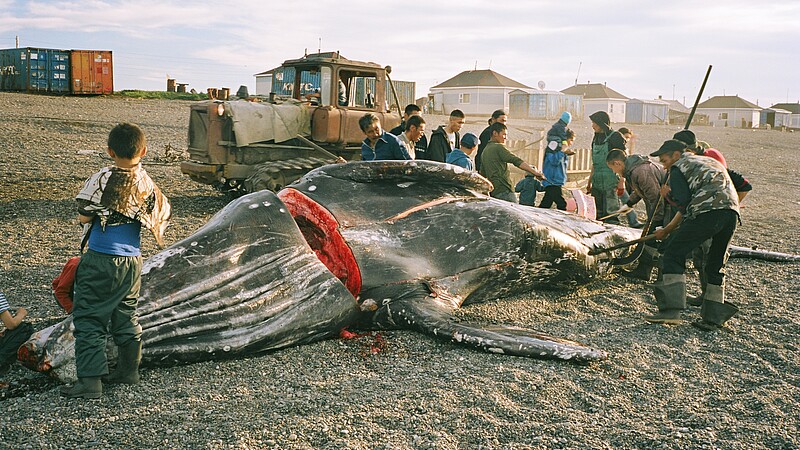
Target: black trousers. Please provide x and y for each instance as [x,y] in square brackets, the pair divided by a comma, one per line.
[552,194]
[719,226]
[11,340]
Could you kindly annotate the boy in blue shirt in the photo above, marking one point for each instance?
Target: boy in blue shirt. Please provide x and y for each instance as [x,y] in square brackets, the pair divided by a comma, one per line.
[556,159]
[112,206]
[461,156]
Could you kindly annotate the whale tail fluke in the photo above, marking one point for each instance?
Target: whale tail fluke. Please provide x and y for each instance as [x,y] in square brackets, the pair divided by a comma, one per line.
[415,307]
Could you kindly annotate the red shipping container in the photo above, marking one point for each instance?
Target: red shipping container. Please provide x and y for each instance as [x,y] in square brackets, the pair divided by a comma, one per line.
[91,72]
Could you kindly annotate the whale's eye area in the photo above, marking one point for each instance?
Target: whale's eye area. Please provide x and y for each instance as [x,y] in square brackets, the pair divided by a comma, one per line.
[321,231]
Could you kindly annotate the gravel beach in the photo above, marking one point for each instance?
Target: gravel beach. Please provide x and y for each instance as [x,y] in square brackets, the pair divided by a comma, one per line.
[662,387]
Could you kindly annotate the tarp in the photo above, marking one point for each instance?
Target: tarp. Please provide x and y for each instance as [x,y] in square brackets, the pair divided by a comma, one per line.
[261,122]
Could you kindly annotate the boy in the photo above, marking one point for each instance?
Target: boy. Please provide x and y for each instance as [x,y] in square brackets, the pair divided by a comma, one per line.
[113,205]
[379,144]
[527,189]
[15,334]
[461,156]
[496,158]
[556,159]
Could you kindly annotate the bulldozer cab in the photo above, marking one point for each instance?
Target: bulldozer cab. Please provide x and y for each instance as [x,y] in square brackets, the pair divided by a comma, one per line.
[327,79]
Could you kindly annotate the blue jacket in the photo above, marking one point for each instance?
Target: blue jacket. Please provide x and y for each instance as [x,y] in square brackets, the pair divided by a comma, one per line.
[459,158]
[554,167]
[387,147]
[527,188]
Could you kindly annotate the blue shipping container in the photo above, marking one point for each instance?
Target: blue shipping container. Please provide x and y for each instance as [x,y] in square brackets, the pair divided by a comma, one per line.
[34,70]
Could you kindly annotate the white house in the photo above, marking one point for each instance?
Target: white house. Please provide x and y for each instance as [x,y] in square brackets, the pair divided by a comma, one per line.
[477,92]
[264,81]
[794,110]
[730,111]
[599,97]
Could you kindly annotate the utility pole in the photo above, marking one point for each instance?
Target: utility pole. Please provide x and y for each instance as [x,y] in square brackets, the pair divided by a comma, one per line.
[673,91]
[580,63]
[16,44]
[319,48]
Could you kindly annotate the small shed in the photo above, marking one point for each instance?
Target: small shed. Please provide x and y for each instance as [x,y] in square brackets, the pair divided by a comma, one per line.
[264,81]
[647,111]
[541,104]
[794,110]
[775,118]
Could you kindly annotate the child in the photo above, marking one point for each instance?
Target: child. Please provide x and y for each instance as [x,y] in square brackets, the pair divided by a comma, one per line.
[15,334]
[556,158]
[113,205]
[527,188]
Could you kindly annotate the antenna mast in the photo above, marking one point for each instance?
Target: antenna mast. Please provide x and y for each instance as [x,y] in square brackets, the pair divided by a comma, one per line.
[580,63]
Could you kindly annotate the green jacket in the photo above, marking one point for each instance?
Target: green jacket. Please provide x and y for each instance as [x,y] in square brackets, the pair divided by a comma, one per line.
[494,166]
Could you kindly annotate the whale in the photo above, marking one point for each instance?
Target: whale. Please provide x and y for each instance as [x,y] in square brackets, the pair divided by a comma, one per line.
[362,245]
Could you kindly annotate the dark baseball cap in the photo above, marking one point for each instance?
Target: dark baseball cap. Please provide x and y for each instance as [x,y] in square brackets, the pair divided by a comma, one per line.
[687,137]
[669,146]
[469,140]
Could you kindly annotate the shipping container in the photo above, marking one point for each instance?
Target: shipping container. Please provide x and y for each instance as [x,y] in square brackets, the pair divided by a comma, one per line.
[34,70]
[543,104]
[91,72]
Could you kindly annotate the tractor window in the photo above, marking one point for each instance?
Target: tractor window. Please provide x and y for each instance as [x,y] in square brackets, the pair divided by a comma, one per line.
[325,85]
[359,89]
[307,86]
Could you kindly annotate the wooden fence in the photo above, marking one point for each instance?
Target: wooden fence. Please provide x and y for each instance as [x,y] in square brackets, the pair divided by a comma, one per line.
[532,152]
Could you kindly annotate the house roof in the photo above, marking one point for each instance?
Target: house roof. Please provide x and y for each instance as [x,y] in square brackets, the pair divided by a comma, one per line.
[267,72]
[793,107]
[675,105]
[727,102]
[486,78]
[649,102]
[593,91]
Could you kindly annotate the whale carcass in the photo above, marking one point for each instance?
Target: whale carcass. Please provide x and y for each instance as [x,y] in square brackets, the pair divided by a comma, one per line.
[373,245]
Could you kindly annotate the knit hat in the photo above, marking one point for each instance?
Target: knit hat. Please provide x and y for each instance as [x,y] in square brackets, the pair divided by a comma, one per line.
[566,117]
[687,137]
[669,146]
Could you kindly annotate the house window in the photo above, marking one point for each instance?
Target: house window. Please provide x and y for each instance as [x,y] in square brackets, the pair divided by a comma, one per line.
[463,98]
[612,108]
[723,116]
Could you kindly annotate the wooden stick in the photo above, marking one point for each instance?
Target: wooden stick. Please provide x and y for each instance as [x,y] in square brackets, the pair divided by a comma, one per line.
[597,251]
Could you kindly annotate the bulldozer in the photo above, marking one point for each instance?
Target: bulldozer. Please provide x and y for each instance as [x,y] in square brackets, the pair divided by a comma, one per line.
[309,119]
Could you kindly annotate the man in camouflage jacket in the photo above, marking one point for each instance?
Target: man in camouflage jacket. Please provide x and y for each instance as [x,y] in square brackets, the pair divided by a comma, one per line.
[708,208]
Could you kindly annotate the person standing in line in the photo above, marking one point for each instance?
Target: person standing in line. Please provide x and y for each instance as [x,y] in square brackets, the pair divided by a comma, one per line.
[461,156]
[445,138]
[415,130]
[379,144]
[496,158]
[113,206]
[708,208]
[556,160]
[603,181]
[411,110]
[486,135]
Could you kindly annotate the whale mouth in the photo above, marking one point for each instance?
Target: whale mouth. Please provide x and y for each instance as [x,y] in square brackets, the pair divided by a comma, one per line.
[321,231]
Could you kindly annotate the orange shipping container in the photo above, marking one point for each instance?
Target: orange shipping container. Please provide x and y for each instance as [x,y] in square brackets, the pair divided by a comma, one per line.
[91,72]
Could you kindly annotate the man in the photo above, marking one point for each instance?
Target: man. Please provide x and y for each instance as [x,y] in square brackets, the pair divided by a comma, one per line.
[707,209]
[411,110]
[444,139]
[496,158]
[461,157]
[740,183]
[486,135]
[602,181]
[379,144]
[645,178]
[415,130]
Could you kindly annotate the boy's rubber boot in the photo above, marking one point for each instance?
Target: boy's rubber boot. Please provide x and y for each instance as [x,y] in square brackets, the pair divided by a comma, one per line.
[670,296]
[715,310]
[127,370]
[88,387]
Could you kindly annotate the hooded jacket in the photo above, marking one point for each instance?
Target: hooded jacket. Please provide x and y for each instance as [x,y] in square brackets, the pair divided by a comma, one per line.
[645,178]
[438,146]
[615,140]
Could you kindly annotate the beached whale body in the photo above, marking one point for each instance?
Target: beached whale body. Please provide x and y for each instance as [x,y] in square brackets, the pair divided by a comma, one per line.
[385,244]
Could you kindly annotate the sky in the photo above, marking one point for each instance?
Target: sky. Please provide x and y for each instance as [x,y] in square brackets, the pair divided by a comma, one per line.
[641,49]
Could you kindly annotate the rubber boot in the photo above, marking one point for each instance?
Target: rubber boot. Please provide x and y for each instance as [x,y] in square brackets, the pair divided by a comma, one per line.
[644,269]
[89,387]
[691,300]
[670,296]
[715,310]
[127,370]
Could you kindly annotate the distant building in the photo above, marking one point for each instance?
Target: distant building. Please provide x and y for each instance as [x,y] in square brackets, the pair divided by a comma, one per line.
[477,92]
[647,111]
[794,110]
[679,114]
[599,97]
[540,104]
[730,111]
[264,81]
[775,118]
